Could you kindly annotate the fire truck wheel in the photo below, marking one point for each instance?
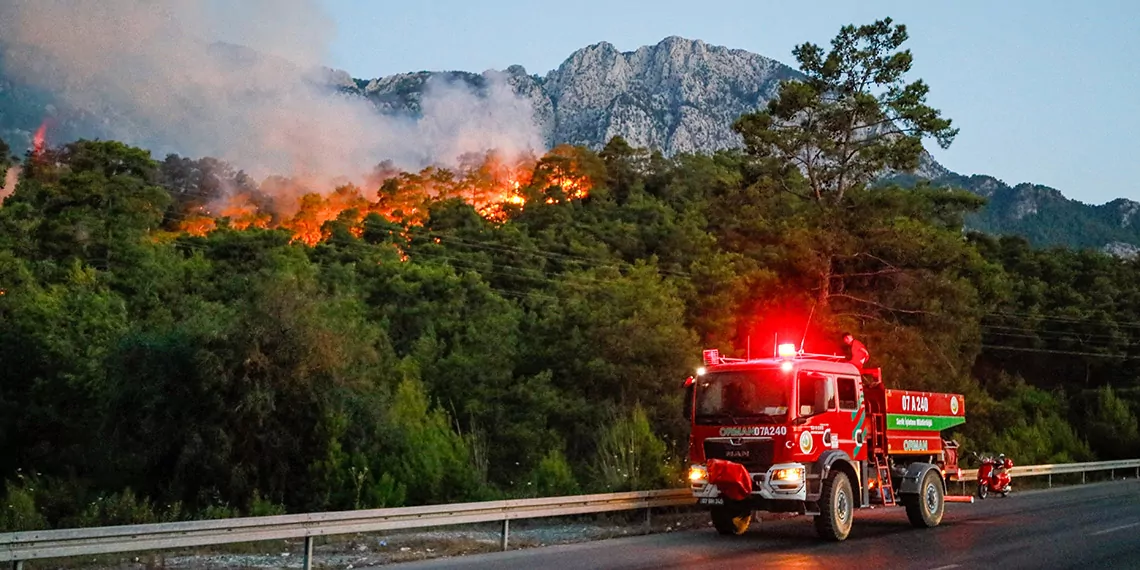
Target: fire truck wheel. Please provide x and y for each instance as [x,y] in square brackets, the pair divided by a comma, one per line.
[836,507]
[731,520]
[926,508]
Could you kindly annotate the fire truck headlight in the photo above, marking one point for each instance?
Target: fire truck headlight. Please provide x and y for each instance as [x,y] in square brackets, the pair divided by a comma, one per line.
[698,473]
[702,371]
[789,475]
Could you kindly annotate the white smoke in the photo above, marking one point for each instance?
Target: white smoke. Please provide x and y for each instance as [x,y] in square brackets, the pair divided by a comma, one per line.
[157,76]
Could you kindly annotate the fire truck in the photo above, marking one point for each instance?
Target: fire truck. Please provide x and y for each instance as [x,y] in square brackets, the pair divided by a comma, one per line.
[815,435]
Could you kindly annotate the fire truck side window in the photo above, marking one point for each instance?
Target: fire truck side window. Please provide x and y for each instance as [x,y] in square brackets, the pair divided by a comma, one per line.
[817,394]
[848,399]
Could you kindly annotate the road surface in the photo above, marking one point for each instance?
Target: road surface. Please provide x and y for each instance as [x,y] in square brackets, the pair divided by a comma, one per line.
[1088,526]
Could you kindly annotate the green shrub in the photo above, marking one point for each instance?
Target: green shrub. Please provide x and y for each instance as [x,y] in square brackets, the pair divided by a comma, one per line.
[18,510]
[125,508]
[629,456]
[431,462]
[1112,428]
[263,507]
[553,476]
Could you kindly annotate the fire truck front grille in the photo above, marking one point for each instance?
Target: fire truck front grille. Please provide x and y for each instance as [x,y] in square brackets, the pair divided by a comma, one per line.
[753,454]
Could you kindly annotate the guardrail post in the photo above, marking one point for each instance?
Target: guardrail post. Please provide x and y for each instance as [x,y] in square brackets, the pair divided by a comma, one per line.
[506,532]
[18,565]
[1050,480]
[1112,474]
[1082,477]
[649,519]
[308,553]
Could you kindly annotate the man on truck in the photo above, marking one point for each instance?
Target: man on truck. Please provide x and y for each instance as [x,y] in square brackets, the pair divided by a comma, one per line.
[857,353]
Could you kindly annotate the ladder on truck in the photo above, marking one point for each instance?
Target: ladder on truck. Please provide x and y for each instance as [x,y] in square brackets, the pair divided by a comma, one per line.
[876,404]
[879,458]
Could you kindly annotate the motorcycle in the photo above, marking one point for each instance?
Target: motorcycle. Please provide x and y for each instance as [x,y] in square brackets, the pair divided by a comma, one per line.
[993,476]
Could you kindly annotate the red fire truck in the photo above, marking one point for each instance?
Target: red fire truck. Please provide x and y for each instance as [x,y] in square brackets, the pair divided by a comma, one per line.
[814,435]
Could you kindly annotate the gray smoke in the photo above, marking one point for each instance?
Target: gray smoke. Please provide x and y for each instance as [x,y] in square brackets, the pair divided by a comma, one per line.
[157,76]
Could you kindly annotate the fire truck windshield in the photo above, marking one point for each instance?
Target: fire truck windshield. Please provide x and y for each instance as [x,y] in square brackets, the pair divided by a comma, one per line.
[751,396]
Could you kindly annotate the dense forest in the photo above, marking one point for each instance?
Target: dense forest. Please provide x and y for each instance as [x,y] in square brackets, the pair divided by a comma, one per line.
[181,341]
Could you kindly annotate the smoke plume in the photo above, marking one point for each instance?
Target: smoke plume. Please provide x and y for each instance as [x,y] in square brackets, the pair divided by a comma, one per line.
[157,76]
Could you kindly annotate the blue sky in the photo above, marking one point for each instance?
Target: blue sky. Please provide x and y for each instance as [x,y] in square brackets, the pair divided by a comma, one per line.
[1044,91]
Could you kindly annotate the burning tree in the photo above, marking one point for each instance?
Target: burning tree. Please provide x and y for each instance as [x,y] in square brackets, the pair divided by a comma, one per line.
[490,182]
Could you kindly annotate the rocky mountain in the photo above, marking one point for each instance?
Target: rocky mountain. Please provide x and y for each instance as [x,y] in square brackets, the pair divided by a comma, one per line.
[1045,217]
[677,96]
[682,96]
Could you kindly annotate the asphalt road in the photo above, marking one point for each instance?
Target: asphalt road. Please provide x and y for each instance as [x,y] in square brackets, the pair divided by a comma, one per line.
[1089,526]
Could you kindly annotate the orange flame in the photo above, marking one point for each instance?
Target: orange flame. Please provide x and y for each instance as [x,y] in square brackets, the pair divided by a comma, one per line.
[39,139]
[308,224]
[243,213]
[486,181]
[198,225]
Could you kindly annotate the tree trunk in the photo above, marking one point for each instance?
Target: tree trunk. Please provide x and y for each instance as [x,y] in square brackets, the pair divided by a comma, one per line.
[825,283]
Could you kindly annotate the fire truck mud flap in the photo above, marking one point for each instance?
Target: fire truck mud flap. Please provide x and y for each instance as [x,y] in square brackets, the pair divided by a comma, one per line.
[912,482]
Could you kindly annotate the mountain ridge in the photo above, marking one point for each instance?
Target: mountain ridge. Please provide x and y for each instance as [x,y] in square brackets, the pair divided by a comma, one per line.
[682,95]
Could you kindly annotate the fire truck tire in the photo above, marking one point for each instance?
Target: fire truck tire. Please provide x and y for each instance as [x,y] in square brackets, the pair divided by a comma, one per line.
[731,520]
[836,507]
[926,508]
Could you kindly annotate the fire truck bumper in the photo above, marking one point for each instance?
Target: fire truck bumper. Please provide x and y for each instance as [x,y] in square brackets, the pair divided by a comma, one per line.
[782,482]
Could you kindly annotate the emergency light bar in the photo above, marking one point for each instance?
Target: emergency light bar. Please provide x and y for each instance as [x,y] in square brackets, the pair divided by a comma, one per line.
[786,351]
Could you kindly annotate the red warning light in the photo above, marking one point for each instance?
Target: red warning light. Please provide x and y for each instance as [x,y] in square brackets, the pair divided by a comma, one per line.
[712,356]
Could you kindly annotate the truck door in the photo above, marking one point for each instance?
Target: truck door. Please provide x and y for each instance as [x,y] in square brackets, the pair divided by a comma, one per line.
[851,427]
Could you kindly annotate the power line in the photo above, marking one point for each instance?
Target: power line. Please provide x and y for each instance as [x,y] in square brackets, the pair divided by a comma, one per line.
[1064,352]
[1062,319]
[1037,333]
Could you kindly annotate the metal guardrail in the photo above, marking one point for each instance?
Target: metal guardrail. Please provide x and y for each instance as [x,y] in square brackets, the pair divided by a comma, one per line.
[1062,469]
[34,545]
[17,547]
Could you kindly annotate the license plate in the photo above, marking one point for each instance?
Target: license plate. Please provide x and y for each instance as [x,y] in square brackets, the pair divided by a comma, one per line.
[708,501]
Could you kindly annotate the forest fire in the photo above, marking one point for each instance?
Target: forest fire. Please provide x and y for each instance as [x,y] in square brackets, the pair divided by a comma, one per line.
[489,182]
[40,138]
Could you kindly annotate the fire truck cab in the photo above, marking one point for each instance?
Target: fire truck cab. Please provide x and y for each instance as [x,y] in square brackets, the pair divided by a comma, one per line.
[814,435]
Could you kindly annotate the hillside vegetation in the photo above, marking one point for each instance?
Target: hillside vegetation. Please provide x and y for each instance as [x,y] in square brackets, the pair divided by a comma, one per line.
[419,347]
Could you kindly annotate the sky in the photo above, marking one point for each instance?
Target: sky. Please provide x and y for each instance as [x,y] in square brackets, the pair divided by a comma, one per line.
[1043,91]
